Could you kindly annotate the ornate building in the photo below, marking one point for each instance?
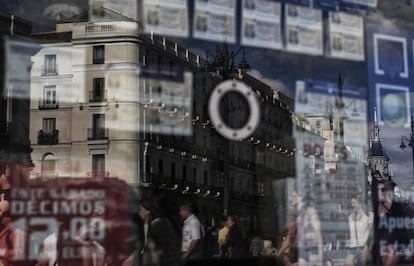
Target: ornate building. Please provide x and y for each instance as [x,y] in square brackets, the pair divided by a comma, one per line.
[90,118]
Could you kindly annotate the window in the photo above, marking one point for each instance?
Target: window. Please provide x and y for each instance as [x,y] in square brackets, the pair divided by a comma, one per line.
[48,166]
[98,54]
[98,165]
[49,125]
[50,67]
[49,97]
[98,127]
[98,93]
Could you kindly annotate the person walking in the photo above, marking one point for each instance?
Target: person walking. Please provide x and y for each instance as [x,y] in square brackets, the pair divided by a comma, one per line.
[304,238]
[235,245]
[360,225]
[223,232]
[161,240]
[192,234]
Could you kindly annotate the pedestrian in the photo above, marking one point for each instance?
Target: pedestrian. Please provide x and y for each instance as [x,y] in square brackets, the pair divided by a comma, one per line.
[304,239]
[360,225]
[222,235]
[11,239]
[161,240]
[235,246]
[192,234]
[391,235]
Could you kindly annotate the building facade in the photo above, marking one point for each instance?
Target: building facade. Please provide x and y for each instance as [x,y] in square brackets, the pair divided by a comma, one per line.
[91,117]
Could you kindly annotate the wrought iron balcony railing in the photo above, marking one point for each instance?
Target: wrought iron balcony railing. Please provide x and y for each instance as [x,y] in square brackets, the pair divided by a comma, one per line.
[98,174]
[97,133]
[50,70]
[43,105]
[47,138]
[95,98]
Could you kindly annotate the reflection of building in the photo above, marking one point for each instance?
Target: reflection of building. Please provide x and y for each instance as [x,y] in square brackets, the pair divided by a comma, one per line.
[342,172]
[15,159]
[89,119]
[378,159]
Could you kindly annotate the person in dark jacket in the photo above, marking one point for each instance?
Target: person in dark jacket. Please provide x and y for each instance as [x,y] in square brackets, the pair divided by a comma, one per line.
[161,243]
[236,246]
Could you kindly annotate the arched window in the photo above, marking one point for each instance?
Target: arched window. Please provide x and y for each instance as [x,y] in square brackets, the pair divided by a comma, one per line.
[49,165]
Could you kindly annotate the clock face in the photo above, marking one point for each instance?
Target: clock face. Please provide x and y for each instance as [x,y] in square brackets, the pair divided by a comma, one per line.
[393,109]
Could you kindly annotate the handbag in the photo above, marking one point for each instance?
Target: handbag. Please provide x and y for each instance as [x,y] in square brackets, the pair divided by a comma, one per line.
[360,258]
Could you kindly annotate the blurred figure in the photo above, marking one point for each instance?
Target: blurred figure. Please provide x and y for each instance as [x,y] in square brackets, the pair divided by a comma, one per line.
[11,238]
[304,238]
[192,234]
[93,252]
[161,245]
[49,252]
[222,235]
[235,245]
[392,236]
[360,225]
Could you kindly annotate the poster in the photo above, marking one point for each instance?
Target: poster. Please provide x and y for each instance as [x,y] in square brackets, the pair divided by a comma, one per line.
[261,24]
[303,30]
[166,17]
[346,36]
[215,20]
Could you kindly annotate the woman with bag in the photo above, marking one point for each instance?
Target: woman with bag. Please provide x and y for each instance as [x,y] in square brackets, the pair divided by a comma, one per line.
[360,225]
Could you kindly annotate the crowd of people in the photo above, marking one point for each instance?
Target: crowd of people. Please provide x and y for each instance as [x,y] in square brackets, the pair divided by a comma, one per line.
[378,236]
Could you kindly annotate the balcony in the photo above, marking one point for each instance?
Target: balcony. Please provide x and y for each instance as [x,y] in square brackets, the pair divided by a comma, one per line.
[97,98]
[45,105]
[47,138]
[97,133]
[105,29]
[98,174]
[49,70]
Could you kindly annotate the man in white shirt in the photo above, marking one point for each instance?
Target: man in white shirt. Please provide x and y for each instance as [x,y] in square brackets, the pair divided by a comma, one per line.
[192,240]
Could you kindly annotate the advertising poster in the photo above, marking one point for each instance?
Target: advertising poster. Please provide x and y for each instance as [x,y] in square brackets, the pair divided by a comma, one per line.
[331,161]
[166,17]
[390,75]
[346,36]
[303,30]
[90,216]
[261,25]
[215,20]
[165,101]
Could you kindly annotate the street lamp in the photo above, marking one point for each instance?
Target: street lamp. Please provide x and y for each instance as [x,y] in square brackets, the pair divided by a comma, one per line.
[410,140]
